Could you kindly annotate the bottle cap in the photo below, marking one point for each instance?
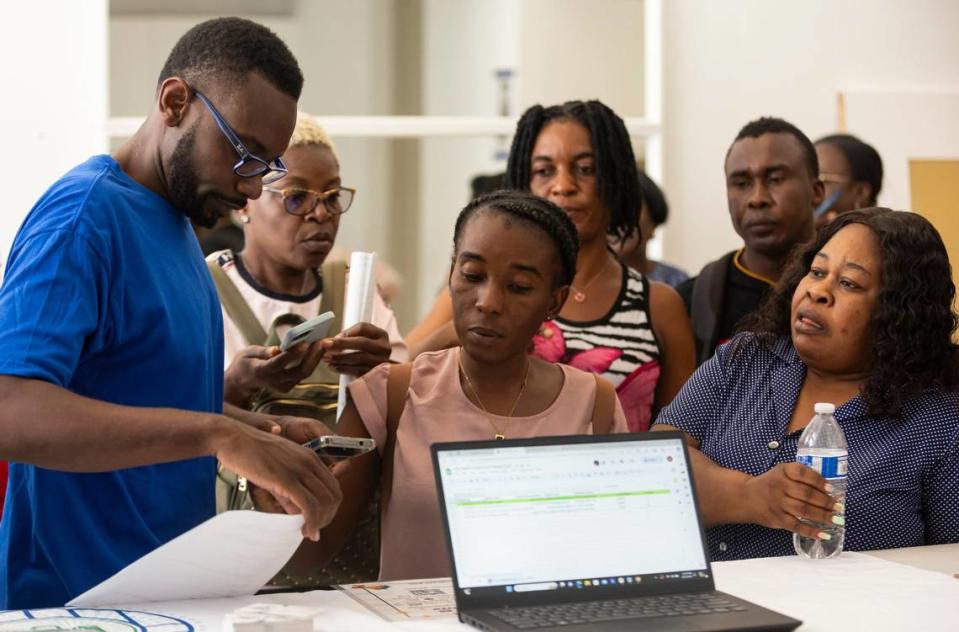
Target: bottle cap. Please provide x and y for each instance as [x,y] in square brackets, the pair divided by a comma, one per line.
[824,408]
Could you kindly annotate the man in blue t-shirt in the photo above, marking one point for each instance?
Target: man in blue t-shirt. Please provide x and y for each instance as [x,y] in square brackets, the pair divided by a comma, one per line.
[111,338]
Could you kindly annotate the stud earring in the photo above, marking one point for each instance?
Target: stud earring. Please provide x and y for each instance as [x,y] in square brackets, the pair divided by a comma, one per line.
[245,219]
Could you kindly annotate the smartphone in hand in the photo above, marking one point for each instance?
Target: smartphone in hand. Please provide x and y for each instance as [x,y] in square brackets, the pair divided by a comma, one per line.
[337,447]
[310,331]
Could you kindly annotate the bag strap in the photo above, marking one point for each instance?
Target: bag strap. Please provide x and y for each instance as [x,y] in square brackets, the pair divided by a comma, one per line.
[236,308]
[333,298]
[397,386]
[603,407]
[706,305]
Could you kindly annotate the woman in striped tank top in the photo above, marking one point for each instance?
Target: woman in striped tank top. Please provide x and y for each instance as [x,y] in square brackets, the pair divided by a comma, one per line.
[615,322]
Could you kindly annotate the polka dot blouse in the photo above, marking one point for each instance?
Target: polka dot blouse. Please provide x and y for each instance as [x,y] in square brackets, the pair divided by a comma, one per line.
[903,473]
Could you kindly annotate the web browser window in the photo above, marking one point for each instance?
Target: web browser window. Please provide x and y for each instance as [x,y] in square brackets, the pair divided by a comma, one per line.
[531,517]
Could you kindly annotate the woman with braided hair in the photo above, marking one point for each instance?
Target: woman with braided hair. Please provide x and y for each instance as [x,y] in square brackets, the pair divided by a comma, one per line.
[615,323]
[514,258]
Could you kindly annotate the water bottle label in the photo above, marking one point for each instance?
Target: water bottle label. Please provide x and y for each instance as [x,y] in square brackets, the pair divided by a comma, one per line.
[827,466]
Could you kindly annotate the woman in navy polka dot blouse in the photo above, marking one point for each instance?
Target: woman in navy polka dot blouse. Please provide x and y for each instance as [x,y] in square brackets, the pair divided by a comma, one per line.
[863,319]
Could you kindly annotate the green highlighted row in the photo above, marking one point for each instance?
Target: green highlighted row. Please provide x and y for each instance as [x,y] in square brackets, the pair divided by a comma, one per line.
[550,499]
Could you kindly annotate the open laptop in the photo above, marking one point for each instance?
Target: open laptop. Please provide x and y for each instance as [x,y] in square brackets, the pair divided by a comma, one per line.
[582,533]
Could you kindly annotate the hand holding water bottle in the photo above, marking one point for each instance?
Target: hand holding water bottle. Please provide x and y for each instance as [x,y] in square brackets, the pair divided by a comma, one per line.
[822,447]
[786,497]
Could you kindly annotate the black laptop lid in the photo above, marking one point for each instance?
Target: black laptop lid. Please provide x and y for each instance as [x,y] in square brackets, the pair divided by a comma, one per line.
[559,519]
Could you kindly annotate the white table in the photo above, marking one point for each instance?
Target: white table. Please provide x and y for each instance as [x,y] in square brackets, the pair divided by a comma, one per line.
[942,558]
[903,589]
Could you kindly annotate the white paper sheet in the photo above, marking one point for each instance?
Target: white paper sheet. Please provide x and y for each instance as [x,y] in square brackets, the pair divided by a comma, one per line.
[232,554]
[359,305]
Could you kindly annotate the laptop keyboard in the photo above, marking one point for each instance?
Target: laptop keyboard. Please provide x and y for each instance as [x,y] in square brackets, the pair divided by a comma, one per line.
[533,617]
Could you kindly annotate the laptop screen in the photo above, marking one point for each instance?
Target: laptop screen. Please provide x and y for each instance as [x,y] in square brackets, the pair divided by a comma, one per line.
[571,515]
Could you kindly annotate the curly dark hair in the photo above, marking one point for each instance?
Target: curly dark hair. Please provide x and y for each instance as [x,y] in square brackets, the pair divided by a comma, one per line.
[615,163]
[223,51]
[537,211]
[913,324]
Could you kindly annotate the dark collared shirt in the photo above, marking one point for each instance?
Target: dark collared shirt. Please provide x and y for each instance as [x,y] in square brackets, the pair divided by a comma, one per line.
[903,487]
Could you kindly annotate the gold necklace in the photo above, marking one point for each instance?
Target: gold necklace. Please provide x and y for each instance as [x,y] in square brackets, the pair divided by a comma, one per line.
[499,434]
[579,295]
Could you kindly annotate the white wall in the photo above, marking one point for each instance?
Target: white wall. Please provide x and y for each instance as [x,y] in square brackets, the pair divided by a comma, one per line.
[731,61]
[463,44]
[570,49]
[54,105]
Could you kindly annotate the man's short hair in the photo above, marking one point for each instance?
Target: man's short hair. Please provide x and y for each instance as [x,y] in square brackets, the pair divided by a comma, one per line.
[224,51]
[773,125]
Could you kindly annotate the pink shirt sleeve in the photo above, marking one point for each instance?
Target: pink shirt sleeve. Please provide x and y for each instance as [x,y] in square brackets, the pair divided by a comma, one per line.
[369,396]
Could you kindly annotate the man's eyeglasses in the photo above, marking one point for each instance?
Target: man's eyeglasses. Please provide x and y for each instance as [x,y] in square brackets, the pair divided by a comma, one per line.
[303,201]
[249,166]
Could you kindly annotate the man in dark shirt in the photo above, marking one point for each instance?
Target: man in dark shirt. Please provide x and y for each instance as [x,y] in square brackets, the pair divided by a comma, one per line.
[772,186]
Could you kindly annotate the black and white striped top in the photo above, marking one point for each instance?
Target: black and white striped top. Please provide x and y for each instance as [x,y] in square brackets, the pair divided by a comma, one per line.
[620,346]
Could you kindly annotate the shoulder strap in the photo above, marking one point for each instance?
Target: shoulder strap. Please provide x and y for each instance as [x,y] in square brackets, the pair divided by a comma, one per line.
[397,386]
[705,311]
[603,407]
[236,308]
[333,299]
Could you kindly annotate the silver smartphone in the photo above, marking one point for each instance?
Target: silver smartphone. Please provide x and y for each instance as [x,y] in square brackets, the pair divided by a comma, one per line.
[310,331]
[337,447]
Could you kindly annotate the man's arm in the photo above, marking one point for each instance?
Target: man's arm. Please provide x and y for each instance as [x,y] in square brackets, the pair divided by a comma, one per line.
[48,426]
[298,429]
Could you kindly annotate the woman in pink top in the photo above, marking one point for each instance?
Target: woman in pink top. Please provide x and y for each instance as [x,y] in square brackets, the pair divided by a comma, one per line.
[515,255]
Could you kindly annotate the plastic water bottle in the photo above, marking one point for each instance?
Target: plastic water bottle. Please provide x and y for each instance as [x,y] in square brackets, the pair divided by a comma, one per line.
[823,447]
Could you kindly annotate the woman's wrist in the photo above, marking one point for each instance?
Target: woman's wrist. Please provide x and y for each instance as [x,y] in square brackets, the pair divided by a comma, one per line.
[742,509]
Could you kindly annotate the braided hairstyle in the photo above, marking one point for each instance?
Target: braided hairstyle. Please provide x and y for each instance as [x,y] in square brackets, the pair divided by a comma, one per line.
[615,163]
[536,211]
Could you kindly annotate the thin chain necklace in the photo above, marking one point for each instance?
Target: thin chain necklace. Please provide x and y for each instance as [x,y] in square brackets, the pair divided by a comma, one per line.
[499,434]
[579,294]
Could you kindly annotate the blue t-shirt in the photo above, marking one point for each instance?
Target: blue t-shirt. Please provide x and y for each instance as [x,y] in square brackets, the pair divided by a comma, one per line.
[106,294]
[903,472]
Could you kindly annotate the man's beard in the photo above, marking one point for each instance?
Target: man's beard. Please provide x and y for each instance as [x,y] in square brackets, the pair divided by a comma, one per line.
[184,185]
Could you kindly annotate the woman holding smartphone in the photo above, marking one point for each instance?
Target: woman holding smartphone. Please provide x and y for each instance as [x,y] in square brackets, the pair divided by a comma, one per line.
[288,233]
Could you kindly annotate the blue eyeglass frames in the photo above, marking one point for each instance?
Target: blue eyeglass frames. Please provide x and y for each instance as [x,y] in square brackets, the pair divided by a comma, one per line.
[249,165]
